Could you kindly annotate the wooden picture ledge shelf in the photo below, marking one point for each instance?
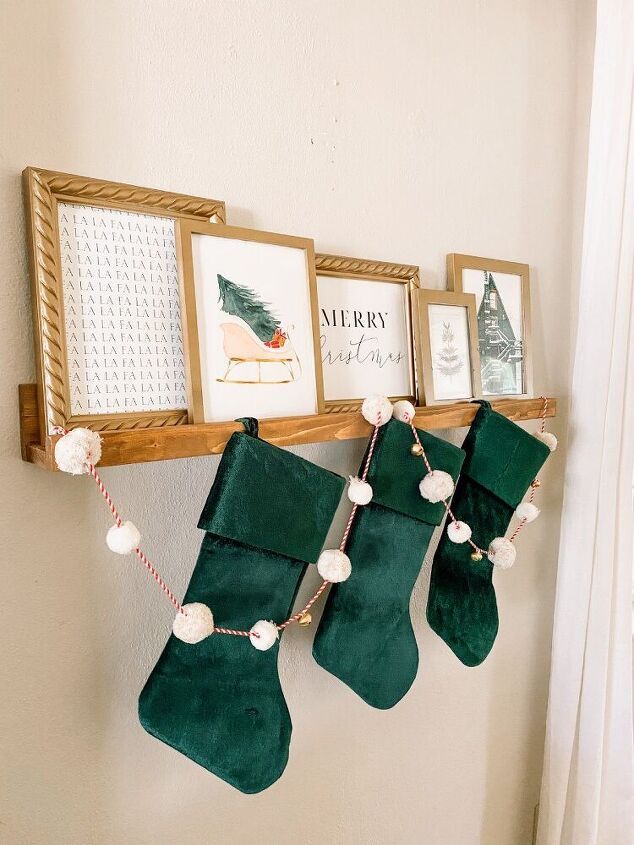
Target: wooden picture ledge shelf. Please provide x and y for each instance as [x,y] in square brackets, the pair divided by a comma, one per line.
[132,446]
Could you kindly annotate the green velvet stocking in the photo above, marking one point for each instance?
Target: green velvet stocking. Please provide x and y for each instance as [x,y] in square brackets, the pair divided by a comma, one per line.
[501,461]
[219,701]
[365,637]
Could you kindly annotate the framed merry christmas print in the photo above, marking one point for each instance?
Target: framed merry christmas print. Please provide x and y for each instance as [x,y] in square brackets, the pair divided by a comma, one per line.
[251,325]
[365,330]
[106,301]
[447,346]
[502,292]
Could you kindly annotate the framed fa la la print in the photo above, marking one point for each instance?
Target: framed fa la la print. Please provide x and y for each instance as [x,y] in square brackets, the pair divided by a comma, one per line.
[106,301]
[365,330]
[503,313]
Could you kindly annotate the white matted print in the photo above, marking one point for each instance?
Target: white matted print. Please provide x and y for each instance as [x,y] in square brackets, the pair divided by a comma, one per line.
[450,352]
[500,330]
[122,311]
[255,329]
[365,338]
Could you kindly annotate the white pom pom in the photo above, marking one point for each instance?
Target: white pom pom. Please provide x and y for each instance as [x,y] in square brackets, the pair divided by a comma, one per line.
[546,437]
[75,450]
[526,511]
[359,492]
[458,532]
[501,553]
[267,635]
[197,625]
[436,486]
[377,410]
[334,565]
[123,539]
[404,411]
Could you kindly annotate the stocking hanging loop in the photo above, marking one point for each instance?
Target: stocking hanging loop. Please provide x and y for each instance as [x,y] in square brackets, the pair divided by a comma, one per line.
[251,425]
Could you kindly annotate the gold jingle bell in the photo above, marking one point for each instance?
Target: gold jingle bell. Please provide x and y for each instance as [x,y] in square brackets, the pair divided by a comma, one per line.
[536,483]
[476,556]
[416,450]
[305,619]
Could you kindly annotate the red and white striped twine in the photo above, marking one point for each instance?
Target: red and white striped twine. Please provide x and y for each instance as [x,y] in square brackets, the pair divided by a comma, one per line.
[366,468]
[344,540]
[170,595]
[119,522]
[450,513]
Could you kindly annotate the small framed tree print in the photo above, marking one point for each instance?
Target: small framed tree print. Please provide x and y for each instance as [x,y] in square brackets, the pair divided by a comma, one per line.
[447,346]
[502,292]
[365,330]
[106,301]
[251,323]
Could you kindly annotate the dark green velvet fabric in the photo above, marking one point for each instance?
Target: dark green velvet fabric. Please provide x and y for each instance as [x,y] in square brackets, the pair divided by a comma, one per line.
[501,456]
[395,473]
[501,461]
[219,701]
[269,498]
[365,637]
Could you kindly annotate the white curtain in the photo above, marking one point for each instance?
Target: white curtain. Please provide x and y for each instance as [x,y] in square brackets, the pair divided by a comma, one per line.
[586,796]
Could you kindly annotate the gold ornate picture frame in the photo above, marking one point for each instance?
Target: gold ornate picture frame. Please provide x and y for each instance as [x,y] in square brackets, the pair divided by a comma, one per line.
[375,329]
[47,191]
[447,359]
[251,323]
[503,312]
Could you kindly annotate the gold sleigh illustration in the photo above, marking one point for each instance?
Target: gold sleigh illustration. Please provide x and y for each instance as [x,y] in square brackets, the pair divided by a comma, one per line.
[242,346]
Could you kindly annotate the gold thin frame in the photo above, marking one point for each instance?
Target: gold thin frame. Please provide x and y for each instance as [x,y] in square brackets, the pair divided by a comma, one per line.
[371,271]
[456,263]
[184,231]
[423,298]
[43,190]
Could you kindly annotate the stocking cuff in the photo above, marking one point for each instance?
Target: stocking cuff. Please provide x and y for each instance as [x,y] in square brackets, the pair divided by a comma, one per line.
[501,456]
[266,497]
[395,474]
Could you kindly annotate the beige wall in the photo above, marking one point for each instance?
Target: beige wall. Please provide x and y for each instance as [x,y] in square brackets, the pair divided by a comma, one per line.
[392,130]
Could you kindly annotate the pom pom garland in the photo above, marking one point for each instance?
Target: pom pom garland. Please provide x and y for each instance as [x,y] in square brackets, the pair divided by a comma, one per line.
[377,410]
[527,511]
[194,623]
[404,411]
[77,450]
[124,538]
[81,450]
[436,486]
[458,532]
[359,491]
[547,439]
[334,566]
[501,553]
[263,635]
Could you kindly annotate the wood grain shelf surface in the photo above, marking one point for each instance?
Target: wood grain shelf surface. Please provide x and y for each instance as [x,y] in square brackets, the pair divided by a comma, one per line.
[187,441]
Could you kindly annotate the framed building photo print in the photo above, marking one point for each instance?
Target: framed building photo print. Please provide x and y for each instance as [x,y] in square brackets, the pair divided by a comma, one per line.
[365,330]
[447,346]
[251,323]
[106,301]
[502,292]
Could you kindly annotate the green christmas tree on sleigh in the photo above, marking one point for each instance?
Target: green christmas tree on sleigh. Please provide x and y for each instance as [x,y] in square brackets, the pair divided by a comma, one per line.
[240,346]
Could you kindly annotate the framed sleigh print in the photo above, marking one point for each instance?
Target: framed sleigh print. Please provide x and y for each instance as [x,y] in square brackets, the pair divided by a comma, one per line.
[251,326]
[365,330]
[502,292]
[448,363]
[106,301]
